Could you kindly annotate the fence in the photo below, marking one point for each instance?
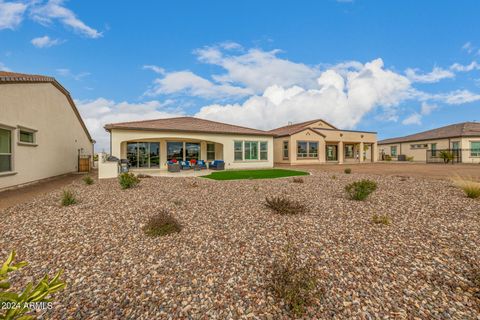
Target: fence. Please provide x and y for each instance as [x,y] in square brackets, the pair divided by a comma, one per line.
[84,163]
[446,155]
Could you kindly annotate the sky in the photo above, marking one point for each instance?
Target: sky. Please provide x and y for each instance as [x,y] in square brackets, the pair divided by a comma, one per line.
[394,67]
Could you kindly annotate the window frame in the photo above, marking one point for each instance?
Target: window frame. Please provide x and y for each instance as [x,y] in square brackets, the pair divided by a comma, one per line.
[21,129]
[433,148]
[285,143]
[307,148]
[240,150]
[474,152]
[392,153]
[250,143]
[10,154]
[261,152]
[209,152]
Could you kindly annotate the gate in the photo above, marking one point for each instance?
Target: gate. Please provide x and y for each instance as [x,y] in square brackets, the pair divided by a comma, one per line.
[84,163]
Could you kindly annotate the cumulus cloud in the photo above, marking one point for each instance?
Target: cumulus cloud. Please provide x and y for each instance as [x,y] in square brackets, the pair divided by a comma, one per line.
[45,42]
[457,97]
[435,75]
[154,68]
[11,14]
[96,113]
[414,118]
[465,68]
[427,108]
[468,47]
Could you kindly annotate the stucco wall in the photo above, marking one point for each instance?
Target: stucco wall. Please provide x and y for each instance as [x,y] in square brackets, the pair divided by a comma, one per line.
[466,155]
[225,145]
[59,135]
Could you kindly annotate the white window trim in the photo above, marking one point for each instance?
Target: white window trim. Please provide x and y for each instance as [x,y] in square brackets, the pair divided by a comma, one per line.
[12,150]
[288,150]
[30,130]
[308,150]
[471,149]
[243,151]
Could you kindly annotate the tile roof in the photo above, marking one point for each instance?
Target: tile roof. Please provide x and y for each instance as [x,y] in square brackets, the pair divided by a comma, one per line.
[14,77]
[186,124]
[294,128]
[464,129]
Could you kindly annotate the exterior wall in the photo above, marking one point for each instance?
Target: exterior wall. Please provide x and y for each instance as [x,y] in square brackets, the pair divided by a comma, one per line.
[465,144]
[224,145]
[59,134]
[420,154]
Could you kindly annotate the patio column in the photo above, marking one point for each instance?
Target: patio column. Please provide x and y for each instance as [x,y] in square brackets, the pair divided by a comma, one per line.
[374,152]
[340,152]
[361,151]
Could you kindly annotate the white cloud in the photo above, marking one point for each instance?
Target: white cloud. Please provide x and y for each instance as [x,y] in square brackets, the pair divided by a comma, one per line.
[468,47]
[154,68]
[64,72]
[11,14]
[435,75]
[97,113]
[457,97]
[427,108]
[414,118]
[3,67]
[341,99]
[465,68]
[45,42]
[53,10]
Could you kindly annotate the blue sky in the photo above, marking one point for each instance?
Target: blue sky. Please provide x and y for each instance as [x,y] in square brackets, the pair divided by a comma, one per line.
[395,67]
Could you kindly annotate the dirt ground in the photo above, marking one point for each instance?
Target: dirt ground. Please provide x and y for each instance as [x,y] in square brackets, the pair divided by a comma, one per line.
[12,197]
[436,171]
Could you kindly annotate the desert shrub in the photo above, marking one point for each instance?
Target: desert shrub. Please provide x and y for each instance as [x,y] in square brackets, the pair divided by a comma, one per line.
[293,281]
[161,224]
[387,157]
[284,206]
[298,180]
[128,180]
[255,188]
[381,219]
[360,190]
[469,186]
[410,159]
[143,176]
[347,170]
[39,294]
[447,156]
[334,177]
[88,180]
[177,202]
[68,198]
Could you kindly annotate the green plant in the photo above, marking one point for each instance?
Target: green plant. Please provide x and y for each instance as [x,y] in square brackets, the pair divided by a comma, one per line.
[447,156]
[381,219]
[360,190]
[68,198]
[347,170]
[177,202]
[19,305]
[88,180]
[334,177]
[387,157]
[161,224]
[294,281]
[128,180]
[283,205]
[298,180]
[255,188]
[410,159]
[469,186]
[143,176]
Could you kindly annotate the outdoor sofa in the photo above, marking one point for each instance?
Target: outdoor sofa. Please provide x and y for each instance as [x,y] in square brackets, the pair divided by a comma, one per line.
[217,165]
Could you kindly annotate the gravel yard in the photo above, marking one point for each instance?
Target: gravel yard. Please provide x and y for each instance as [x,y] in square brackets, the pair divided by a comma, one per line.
[422,265]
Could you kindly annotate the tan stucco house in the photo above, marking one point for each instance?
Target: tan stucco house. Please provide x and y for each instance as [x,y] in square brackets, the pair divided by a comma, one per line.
[462,140]
[41,131]
[151,144]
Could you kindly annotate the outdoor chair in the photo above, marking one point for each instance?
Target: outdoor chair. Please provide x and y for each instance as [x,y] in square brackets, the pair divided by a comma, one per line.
[185,165]
[201,164]
[173,166]
[217,165]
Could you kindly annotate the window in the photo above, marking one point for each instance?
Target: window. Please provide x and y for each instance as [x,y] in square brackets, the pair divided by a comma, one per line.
[143,154]
[307,149]
[27,136]
[331,151]
[393,151]
[419,146]
[475,149]
[210,151]
[264,150]
[174,151]
[192,151]
[455,145]
[238,149]
[5,150]
[285,150]
[349,151]
[251,150]
[433,146]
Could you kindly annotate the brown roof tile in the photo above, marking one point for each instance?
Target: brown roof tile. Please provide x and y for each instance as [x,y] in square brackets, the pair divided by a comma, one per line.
[294,128]
[186,124]
[464,129]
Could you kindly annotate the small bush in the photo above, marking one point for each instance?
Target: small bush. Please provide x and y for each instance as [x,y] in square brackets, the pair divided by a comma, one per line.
[447,156]
[469,186]
[177,202]
[143,176]
[161,224]
[298,180]
[68,198]
[387,157]
[410,159]
[334,177]
[381,219]
[128,180]
[88,180]
[255,188]
[294,282]
[360,190]
[347,170]
[283,205]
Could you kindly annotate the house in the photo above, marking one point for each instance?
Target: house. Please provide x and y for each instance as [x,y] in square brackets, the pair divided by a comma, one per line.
[461,140]
[41,132]
[150,144]
[317,141]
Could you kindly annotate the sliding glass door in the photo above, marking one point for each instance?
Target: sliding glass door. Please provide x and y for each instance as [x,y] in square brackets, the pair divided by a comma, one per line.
[143,154]
[331,152]
[192,151]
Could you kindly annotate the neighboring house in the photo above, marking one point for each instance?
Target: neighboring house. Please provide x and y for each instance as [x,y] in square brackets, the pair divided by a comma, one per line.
[316,141]
[150,144]
[41,131]
[462,140]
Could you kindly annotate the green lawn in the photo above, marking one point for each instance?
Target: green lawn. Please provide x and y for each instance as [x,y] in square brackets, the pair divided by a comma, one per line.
[254,174]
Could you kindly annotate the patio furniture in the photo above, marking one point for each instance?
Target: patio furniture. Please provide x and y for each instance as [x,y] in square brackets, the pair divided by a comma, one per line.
[201,164]
[185,165]
[173,166]
[217,165]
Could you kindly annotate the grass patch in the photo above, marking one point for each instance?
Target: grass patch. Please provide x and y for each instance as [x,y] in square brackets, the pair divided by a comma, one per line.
[68,198]
[360,190]
[161,224]
[285,206]
[469,186]
[254,174]
[88,180]
[294,281]
[128,180]
[381,219]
